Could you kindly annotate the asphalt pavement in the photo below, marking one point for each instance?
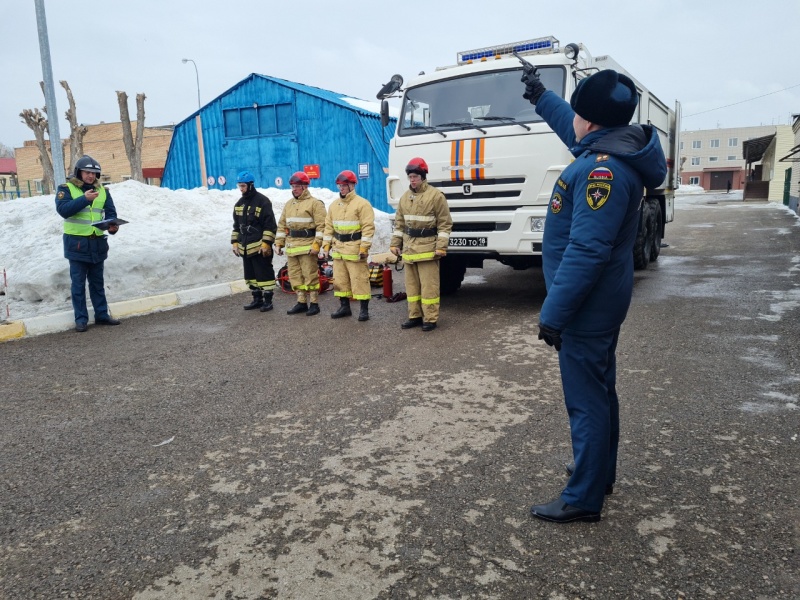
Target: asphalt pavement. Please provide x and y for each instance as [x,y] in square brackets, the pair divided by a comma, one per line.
[211,452]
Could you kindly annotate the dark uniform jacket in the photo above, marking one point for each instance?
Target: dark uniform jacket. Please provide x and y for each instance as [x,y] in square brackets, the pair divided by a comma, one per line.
[90,249]
[593,219]
[253,222]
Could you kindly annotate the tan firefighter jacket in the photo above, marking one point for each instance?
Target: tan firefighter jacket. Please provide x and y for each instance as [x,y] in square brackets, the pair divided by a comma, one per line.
[422,224]
[301,224]
[349,227]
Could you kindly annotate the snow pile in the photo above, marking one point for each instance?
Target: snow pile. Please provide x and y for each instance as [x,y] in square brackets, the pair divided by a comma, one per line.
[175,240]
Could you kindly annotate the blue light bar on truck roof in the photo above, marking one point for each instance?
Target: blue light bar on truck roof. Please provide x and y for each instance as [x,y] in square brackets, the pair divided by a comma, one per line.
[535,46]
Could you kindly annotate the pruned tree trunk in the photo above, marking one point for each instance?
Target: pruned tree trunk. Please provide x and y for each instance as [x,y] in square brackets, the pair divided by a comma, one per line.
[133,148]
[37,122]
[76,131]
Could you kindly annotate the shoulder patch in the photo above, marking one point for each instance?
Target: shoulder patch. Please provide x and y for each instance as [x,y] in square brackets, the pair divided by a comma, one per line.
[601,173]
[556,203]
[601,158]
[597,193]
[60,195]
[562,184]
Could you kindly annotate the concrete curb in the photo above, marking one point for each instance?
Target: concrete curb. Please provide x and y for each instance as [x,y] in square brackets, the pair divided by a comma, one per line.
[62,321]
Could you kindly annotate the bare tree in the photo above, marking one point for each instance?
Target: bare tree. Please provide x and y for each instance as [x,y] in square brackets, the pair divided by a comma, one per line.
[6,151]
[76,131]
[133,148]
[37,122]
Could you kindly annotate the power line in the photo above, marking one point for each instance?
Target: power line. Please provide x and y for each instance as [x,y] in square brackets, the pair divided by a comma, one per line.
[702,112]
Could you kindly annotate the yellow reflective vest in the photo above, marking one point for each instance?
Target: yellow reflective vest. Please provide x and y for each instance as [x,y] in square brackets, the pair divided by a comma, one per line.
[81,222]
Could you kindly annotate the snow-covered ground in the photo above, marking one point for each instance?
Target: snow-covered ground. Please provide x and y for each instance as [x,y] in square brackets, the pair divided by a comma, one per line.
[175,240]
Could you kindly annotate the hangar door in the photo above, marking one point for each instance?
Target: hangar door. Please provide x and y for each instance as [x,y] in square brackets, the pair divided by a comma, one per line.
[720,179]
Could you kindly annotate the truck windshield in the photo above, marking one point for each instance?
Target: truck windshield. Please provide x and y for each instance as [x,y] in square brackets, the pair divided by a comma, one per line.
[477,101]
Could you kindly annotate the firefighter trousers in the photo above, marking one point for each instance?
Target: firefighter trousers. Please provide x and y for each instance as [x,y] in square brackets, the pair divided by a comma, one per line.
[422,289]
[258,272]
[304,276]
[589,377]
[351,279]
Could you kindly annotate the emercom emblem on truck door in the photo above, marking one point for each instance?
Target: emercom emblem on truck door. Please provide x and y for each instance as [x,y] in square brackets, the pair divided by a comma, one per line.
[474,151]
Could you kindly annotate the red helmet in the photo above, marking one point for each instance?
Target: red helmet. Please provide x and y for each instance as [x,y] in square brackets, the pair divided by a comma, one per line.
[418,166]
[346,177]
[299,178]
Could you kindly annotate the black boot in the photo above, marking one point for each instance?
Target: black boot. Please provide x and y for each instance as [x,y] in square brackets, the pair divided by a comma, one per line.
[258,301]
[300,307]
[364,314]
[313,309]
[344,309]
[267,302]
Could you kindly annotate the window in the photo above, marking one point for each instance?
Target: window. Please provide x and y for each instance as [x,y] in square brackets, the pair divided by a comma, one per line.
[696,160]
[272,119]
[733,142]
[713,159]
[714,143]
[694,181]
[38,184]
[681,145]
[696,144]
[732,157]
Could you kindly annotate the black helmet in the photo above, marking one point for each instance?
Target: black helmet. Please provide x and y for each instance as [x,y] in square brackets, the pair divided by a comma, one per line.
[86,163]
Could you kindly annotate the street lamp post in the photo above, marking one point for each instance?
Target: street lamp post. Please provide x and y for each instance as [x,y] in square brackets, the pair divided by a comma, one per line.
[197,75]
[201,154]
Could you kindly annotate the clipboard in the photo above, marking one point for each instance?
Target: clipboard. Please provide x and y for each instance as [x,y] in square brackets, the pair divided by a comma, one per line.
[104,224]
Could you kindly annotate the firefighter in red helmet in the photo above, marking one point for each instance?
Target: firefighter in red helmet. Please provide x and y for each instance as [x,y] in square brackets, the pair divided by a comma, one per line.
[349,228]
[421,235]
[300,230]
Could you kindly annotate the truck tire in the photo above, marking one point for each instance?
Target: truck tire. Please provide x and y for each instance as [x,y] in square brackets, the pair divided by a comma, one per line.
[643,245]
[451,274]
[655,211]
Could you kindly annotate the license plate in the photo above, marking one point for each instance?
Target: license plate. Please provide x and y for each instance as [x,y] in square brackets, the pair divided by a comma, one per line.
[468,242]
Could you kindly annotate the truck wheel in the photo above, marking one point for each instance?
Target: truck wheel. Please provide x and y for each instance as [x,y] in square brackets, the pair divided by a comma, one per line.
[644,239]
[451,274]
[655,210]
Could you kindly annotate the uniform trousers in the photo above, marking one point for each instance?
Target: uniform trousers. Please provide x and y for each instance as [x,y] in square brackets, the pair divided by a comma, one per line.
[422,289]
[304,276]
[79,273]
[258,272]
[351,279]
[589,377]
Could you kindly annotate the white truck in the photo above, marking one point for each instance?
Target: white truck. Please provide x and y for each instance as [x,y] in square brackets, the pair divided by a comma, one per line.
[496,160]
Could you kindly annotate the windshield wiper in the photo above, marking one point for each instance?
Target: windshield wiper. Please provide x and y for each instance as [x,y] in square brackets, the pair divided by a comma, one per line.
[462,126]
[509,119]
[426,128]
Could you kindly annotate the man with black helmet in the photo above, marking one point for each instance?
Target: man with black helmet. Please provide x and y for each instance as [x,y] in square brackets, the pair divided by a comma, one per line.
[252,237]
[300,229]
[587,259]
[421,236]
[349,227]
[82,201]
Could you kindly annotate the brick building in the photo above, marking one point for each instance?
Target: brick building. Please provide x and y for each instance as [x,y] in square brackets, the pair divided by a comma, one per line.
[103,142]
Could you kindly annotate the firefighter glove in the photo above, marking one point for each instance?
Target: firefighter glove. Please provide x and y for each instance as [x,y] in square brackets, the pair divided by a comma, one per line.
[362,252]
[266,249]
[278,249]
[551,337]
[235,248]
[395,250]
[534,88]
[315,247]
[440,252]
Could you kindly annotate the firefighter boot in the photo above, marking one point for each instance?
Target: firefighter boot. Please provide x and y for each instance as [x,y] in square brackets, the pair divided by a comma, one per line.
[300,307]
[313,309]
[258,301]
[267,302]
[344,309]
[364,314]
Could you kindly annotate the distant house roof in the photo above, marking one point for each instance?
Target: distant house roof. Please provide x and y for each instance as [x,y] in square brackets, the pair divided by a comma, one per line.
[8,165]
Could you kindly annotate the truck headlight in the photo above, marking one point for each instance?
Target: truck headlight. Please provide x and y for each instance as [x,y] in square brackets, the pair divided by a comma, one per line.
[537,224]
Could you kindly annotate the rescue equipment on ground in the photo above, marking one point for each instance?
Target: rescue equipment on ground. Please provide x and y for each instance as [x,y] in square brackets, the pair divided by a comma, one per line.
[325,278]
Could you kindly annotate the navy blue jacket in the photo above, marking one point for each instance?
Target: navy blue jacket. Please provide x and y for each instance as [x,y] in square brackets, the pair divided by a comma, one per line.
[78,247]
[593,219]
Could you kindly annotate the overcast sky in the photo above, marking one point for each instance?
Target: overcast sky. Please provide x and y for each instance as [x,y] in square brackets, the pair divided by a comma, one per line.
[707,54]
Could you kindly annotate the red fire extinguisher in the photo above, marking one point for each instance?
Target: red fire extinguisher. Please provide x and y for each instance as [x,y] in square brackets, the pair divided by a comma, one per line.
[387,281]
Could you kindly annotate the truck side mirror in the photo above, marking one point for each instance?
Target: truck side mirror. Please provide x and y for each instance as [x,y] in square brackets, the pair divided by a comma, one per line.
[384,113]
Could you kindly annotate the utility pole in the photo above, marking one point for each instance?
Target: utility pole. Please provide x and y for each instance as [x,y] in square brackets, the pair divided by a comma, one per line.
[56,150]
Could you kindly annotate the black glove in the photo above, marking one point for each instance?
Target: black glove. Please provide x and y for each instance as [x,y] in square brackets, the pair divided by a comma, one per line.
[551,337]
[534,88]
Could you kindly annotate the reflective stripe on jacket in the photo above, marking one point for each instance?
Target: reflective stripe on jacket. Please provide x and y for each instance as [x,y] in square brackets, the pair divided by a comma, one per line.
[425,208]
[303,213]
[81,222]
